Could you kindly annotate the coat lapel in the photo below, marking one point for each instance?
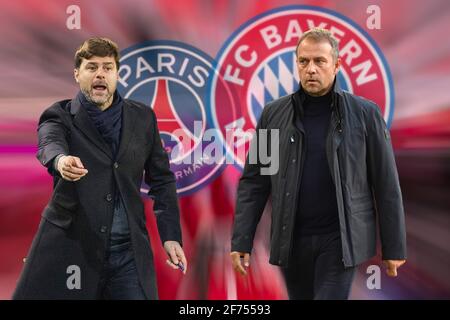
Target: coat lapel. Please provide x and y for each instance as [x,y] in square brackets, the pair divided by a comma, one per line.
[129,118]
[83,122]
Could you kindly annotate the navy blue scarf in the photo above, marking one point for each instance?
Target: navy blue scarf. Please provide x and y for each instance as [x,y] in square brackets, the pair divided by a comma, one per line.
[107,122]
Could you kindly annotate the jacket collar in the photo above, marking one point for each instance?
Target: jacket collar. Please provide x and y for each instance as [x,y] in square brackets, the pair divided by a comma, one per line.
[299,96]
[336,88]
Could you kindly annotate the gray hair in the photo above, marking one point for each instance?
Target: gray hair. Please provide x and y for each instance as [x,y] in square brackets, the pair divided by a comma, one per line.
[319,34]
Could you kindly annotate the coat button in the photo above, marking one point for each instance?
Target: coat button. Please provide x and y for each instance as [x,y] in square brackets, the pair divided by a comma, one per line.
[284,227]
[116,165]
[279,261]
[103,229]
[287,194]
[108,197]
[294,160]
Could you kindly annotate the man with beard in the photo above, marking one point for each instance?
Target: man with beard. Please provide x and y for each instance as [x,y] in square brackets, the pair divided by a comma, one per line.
[92,241]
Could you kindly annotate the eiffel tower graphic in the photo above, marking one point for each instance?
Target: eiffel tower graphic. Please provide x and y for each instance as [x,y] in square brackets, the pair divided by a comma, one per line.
[169,122]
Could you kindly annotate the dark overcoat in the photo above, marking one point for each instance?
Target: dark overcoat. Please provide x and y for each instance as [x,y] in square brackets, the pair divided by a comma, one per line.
[362,164]
[75,228]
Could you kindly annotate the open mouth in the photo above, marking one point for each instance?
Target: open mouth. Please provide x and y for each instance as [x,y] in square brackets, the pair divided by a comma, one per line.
[99,88]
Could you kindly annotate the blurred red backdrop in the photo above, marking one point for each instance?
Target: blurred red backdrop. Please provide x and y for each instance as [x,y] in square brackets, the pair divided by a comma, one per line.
[36,70]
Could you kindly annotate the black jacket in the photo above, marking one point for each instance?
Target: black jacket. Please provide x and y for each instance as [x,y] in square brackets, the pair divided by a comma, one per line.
[362,165]
[76,224]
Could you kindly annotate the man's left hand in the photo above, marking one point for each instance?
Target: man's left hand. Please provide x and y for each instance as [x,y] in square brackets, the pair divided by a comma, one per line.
[176,260]
[392,265]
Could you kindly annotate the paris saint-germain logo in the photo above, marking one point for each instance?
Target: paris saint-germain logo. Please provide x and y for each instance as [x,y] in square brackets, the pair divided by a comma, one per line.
[257,64]
[172,78]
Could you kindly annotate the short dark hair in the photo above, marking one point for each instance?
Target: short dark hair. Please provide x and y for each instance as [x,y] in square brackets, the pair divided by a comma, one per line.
[319,34]
[96,46]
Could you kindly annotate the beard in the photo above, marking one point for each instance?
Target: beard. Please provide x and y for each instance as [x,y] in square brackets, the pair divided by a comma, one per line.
[97,100]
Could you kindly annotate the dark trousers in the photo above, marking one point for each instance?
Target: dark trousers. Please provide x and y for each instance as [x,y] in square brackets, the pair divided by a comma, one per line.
[119,280]
[317,270]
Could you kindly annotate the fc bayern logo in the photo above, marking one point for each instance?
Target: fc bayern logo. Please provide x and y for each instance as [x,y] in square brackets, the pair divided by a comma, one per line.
[172,78]
[257,64]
